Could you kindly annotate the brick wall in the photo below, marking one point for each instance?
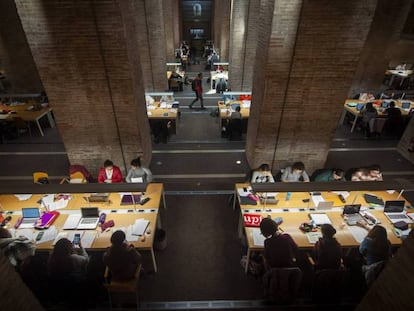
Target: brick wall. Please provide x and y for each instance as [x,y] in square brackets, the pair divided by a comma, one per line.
[304,94]
[381,46]
[221,27]
[15,57]
[80,50]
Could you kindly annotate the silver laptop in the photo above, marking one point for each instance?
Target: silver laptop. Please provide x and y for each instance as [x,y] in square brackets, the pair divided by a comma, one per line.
[30,215]
[351,214]
[90,218]
[394,211]
[324,205]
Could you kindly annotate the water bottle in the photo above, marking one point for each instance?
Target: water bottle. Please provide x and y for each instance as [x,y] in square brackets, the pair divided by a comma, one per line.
[102,218]
[287,196]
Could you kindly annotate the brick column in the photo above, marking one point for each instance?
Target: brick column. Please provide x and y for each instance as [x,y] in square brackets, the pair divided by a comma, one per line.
[16,60]
[381,45]
[221,27]
[169,21]
[80,50]
[307,78]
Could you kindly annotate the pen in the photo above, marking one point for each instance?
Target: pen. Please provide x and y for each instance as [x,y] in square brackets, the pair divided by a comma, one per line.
[280,229]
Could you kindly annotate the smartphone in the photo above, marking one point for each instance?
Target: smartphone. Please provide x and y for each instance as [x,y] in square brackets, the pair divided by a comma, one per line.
[39,235]
[76,239]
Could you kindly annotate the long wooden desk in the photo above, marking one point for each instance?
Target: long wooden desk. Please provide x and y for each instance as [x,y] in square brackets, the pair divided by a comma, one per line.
[156,112]
[122,215]
[27,113]
[295,211]
[350,107]
[225,111]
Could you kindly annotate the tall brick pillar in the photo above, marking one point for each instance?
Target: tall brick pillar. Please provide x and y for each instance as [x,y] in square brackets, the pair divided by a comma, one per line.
[221,27]
[80,50]
[307,75]
[171,22]
[380,46]
[245,23]
[151,43]
[16,61]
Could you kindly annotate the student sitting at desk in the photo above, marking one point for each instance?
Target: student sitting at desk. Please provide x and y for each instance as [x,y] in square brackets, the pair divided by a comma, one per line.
[110,173]
[122,259]
[18,250]
[372,173]
[369,114]
[394,125]
[65,263]
[327,251]
[279,248]
[262,175]
[376,246]
[138,173]
[295,173]
[335,174]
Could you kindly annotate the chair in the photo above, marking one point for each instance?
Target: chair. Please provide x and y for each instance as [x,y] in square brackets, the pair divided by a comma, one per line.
[235,129]
[77,178]
[372,271]
[40,178]
[281,285]
[20,125]
[122,287]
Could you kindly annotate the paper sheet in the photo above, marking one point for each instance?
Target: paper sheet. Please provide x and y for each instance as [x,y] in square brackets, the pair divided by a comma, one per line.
[23,197]
[139,227]
[87,238]
[317,199]
[258,238]
[320,219]
[48,235]
[313,237]
[358,233]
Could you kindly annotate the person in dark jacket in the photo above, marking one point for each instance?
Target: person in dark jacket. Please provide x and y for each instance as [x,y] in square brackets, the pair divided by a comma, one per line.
[327,251]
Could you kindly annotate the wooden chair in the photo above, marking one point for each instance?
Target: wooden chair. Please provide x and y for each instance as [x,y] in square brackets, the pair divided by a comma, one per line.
[281,285]
[21,125]
[122,287]
[39,175]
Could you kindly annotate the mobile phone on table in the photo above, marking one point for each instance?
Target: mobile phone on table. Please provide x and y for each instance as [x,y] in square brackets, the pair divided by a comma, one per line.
[76,239]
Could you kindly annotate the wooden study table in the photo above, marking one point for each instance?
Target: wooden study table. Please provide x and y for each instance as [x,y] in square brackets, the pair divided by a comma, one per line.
[122,215]
[28,114]
[225,111]
[295,211]
[350,107]
[403,74]
[156,112]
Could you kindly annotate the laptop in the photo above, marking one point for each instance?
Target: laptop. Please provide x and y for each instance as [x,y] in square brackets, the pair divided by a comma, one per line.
[384,105]
[89,219]
[324,205]
[98,197]
[30,215]
[394,211]
[406,105]
[352,215]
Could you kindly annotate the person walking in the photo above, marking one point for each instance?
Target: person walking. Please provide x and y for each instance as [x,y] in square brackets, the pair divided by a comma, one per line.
[197,86]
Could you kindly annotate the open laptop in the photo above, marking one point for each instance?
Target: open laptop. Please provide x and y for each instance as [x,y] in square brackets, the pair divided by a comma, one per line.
[89,219]
[234,106]
[360,106]
[30,215]
[352,215]
[405,105]
[394,211]
[324,205]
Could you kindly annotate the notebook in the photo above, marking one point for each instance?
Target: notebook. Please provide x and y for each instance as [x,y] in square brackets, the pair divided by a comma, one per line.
[394,211]
[89,219]
[128,199]
[320,219]
[352,215]
[30,215]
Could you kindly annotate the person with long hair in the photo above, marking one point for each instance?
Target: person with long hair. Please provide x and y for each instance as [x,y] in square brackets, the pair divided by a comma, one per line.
[121,258]
[376,247]
[327,251]
[279,248]
[66,261]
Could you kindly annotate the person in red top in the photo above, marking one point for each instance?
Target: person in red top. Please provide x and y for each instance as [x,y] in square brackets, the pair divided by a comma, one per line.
[110,173]
[198,90]
[279,248]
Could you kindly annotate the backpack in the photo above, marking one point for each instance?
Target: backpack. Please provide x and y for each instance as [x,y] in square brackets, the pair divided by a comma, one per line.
[193,85]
